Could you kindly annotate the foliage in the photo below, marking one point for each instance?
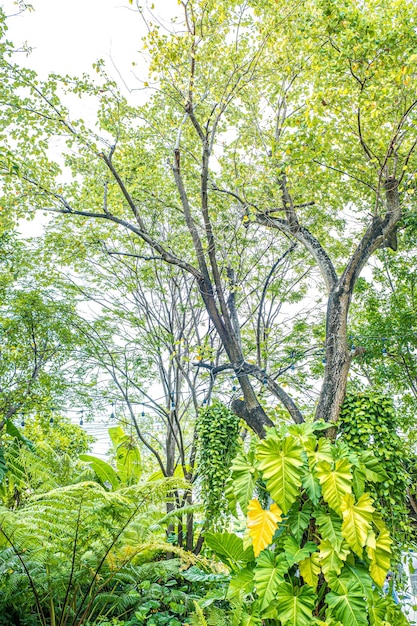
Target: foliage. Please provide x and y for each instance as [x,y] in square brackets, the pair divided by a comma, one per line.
[369,426]
[218,429]
[38,467]
[303,129]
[127,461]
[327,558]
[77,552]
[51,428]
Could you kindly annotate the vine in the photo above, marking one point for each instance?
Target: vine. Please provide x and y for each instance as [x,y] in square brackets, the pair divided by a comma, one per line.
[368,421]
[218,429]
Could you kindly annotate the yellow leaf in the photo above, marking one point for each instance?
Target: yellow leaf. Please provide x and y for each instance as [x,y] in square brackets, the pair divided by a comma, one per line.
[262,524]
[356,521]
[379,552]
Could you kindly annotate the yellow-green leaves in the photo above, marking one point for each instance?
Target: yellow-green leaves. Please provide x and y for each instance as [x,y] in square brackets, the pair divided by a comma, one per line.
[310,569]
[280,460]
[335,481]
[379,552]
[262,524]
[332,557]
[295,604]
[356,521]
[325,534]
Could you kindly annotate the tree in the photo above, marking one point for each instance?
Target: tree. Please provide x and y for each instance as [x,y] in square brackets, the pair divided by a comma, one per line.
[308,115]
[312,102]
[37,339]
[267,126]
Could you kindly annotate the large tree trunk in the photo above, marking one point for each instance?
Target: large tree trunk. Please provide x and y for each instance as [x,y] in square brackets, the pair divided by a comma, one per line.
[338,357]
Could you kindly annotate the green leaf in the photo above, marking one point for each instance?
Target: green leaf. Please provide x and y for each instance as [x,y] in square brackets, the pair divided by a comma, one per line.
[298,521]
[358,481]
[117,435]
[295,604]
[310,570]
[349,607]
[374,472]
[312,486]
[295,553]
[279,462]
[379,553]
[330,526]
[243,478]
[128,461]
[242,581]
[356,521]
[320,452]
[105,472]
[336,482]
[360,574]
[332,556]
[229,548]
[268,574]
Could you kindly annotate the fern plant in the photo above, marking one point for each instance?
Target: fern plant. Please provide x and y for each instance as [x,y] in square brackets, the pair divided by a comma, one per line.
[66,557]
[318,553]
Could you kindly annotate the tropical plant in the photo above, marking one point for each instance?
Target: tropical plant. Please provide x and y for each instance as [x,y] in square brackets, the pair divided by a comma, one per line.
[76,554]
[319,552]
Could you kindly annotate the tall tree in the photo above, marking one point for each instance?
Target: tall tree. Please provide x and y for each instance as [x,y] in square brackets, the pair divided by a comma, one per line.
[292,119]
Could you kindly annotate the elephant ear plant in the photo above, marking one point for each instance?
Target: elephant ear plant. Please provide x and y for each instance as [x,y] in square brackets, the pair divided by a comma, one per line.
[315,549]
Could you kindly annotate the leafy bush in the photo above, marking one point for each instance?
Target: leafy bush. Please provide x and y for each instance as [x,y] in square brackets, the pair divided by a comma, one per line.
[319,552]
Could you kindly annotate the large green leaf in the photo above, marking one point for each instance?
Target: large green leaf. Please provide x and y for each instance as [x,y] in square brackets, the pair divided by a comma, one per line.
[311,485]
[295,553]
[321,451]
[356,521]
[350,574]
[330,526]
[349,607]
[229,548]
[128,461]
[295,604]
[268,574]
[243,479]
[105,472]
[378,550]
[298,521]
[242,581]
[332,556]
[310,570]
[280,461]
[358,481]
[335,482]
[374,471]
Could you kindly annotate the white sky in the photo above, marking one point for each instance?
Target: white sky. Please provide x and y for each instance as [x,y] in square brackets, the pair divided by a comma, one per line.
[68,36]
